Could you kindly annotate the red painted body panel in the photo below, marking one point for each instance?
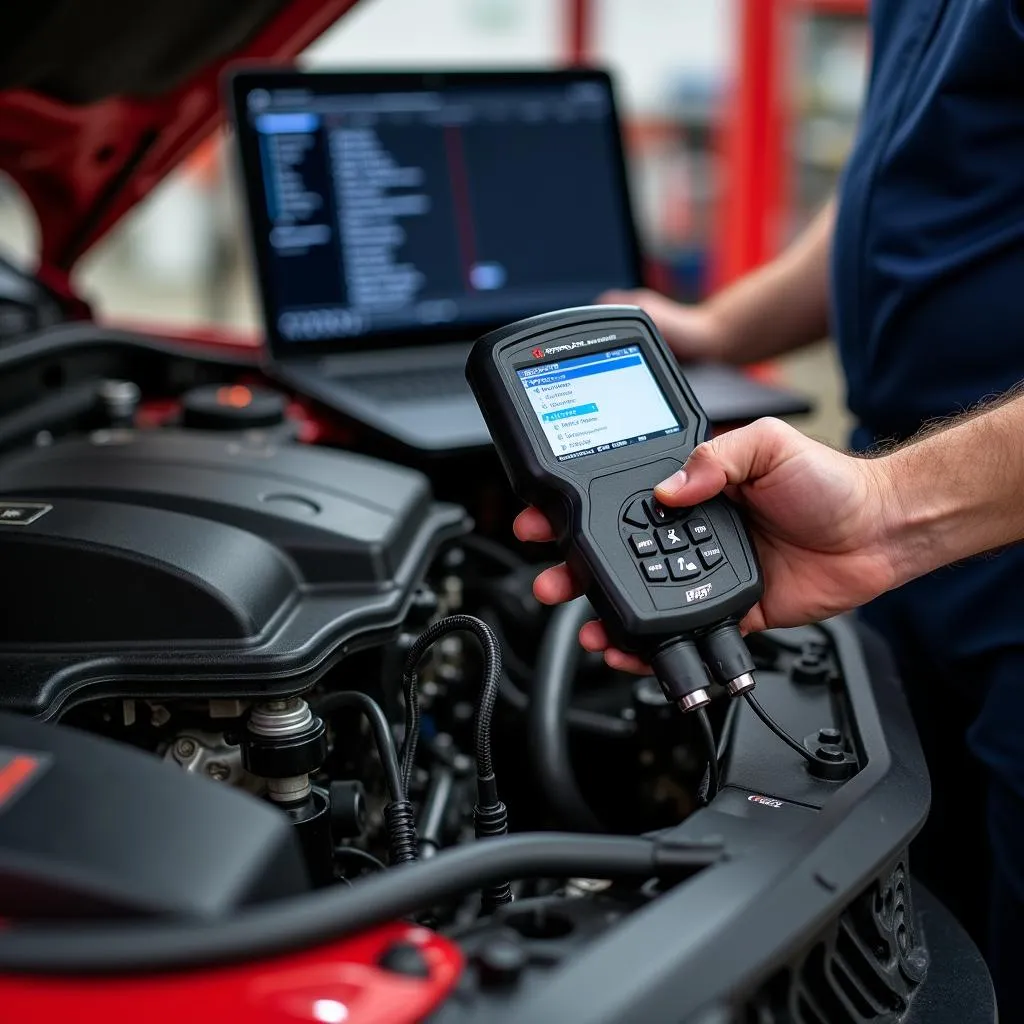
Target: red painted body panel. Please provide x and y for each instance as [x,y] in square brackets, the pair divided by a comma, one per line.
[68,158]
[335,984]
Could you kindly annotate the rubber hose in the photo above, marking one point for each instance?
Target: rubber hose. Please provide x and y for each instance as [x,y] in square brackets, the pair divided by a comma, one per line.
[382,737]
[547,728]
[330,914]
[491,649]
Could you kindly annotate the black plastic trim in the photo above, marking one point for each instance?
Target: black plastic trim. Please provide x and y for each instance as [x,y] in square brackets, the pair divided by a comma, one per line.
[715,939]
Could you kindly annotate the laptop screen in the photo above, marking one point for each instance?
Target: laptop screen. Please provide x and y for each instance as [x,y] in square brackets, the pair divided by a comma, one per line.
[404,207]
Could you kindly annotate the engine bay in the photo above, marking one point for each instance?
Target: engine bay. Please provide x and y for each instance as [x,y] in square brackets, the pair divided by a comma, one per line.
[363,668]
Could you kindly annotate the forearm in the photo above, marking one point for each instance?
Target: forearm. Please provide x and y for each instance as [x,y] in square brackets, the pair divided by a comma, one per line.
[956,492]
[782,306]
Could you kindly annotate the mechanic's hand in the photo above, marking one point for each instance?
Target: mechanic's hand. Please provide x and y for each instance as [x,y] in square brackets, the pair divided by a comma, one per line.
[691,331]
[822,524]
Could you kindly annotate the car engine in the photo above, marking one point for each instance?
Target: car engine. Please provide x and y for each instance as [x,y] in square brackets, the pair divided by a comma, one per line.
[314,628]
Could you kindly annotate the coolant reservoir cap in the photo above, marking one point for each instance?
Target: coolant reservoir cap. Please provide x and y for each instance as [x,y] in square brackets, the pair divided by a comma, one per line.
[231,407]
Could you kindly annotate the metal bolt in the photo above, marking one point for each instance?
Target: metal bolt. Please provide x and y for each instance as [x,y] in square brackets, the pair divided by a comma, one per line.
[121,398]
[218,771]
[184,747]
[830,752]
[829,735]
[159,715]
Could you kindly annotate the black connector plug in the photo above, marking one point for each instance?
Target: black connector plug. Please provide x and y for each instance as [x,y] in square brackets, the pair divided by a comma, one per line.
[490,819]
[401,828]
[681,673]
[728,658]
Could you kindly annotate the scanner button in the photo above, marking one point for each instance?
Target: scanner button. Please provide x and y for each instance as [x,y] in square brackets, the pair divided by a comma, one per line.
[656,571]
[671,538]
[642,544]
[657,513]
[683,567]
[635,515]
[698,530]
[710,555]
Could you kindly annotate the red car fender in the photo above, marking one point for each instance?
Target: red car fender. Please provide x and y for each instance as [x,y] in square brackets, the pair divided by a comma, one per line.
[341,983]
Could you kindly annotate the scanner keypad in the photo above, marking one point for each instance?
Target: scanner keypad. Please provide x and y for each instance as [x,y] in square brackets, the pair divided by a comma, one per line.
[674,545]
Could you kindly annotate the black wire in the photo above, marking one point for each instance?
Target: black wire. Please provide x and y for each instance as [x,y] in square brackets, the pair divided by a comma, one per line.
[723,739]
[708,735]
[382,737]
[354,853]
[301,922]
[488,691]
[777,729]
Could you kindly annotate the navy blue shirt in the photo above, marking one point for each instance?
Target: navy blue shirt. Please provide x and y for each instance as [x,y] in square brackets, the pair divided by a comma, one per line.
[928,300]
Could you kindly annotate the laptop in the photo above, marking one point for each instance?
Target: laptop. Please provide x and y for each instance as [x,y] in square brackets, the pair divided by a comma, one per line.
[397,216]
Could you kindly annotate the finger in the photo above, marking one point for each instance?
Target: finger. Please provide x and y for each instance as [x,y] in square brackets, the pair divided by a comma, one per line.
[593,636]
[735,457]
[623,662]
[532,526]
[753,621]
[555,586]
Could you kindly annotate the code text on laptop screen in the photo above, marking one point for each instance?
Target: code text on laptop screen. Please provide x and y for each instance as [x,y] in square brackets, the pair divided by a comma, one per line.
[469,205]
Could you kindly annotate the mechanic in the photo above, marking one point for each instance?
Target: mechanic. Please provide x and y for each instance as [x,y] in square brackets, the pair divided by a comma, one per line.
[834,531]
[924,293]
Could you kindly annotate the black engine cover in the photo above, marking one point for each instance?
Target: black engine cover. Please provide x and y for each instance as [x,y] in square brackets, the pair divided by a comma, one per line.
[180,563]
[93,828]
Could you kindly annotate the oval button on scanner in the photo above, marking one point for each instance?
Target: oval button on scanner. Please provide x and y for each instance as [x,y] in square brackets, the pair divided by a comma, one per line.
[698,530]
[656,571]
[710,554]
[683,567]
[642,544]
[671,538]
[656,512]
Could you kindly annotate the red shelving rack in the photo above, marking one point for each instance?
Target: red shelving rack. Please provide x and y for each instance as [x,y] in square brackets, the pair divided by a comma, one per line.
[756,138]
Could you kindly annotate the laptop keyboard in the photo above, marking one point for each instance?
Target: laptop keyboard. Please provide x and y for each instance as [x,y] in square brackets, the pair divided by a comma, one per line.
[442,382]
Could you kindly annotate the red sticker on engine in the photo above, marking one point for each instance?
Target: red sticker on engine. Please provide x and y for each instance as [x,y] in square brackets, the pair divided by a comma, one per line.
[18,770]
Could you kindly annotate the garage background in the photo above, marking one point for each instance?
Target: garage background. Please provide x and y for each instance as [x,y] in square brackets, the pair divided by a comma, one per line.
[739,115]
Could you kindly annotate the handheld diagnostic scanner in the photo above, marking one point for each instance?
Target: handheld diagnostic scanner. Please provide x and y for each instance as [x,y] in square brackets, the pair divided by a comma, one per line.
[589,410]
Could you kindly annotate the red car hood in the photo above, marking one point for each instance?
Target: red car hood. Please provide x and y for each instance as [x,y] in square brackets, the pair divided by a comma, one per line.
[100,99]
